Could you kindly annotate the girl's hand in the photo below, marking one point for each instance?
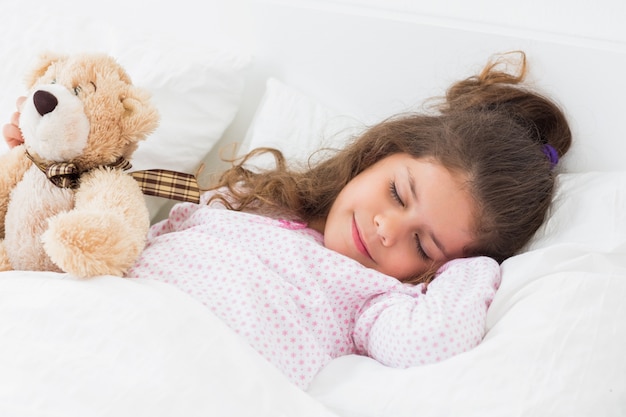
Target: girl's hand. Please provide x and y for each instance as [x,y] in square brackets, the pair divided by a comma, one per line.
[11,131]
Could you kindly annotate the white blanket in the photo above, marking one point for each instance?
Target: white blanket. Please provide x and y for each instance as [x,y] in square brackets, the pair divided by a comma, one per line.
[132,347]
[119,347]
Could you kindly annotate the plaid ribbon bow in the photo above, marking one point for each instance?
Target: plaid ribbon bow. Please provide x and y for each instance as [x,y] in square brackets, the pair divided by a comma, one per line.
[168,184]
[156,182]
[61,174]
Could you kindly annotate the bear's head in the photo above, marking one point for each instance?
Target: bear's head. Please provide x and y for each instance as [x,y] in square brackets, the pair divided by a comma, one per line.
[85,110]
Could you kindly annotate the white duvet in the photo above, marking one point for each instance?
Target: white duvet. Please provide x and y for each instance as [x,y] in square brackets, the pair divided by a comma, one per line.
[115,347]
[119,347]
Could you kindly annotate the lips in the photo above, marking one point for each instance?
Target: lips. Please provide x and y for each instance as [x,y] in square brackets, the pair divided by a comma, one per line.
[358,242]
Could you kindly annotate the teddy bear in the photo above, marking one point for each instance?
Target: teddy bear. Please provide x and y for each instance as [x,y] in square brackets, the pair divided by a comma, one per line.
[66,202]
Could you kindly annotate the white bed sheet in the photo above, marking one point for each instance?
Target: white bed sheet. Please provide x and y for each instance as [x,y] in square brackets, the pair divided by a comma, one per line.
[128,347]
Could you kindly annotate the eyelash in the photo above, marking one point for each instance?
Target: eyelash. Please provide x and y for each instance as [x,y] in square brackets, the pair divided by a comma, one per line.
[396,196]
[420,249]
[394,193]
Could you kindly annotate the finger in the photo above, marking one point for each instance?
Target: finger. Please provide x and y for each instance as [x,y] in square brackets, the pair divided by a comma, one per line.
[20,100]
[12,135]
[15,118]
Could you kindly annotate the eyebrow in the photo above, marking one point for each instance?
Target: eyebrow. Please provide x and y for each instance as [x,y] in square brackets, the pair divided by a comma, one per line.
[411,181]
[436,241]
[438,244]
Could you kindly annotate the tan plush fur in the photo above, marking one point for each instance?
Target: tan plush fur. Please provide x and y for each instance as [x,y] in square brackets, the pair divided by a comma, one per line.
[101,226]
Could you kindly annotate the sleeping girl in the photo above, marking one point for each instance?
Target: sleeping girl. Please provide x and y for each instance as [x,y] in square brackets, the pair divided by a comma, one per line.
[389,247]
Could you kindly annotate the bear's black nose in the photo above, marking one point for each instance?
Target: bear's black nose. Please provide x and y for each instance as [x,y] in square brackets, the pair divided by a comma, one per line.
[44,102]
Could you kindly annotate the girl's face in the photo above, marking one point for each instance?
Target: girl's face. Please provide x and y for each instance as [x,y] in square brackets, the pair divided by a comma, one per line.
[401,216]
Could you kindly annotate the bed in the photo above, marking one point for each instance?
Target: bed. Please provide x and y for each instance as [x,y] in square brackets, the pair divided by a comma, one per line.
[301,74]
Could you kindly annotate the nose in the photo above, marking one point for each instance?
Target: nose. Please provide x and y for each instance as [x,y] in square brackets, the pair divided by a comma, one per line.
[385,230]
[44,102]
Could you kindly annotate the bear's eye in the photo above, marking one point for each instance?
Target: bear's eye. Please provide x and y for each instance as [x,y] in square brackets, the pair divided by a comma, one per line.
[77,89]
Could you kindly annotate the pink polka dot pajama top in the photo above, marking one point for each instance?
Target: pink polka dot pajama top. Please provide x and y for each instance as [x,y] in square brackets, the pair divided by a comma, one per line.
[301,305]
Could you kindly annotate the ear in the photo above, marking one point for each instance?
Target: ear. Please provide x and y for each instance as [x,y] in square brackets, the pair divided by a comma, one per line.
[140,117]
[42,64]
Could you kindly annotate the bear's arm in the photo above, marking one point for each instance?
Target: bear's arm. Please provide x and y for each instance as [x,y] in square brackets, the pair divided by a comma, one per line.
[13,165]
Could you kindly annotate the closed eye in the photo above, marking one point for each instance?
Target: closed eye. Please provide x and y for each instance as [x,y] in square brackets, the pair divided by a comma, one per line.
[420,250]
[393,190]
[394,193]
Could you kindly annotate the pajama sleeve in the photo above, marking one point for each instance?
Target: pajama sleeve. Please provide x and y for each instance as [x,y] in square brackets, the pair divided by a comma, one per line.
[403,329]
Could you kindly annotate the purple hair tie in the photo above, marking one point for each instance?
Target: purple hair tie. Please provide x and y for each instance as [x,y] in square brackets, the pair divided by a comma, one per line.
[552,154]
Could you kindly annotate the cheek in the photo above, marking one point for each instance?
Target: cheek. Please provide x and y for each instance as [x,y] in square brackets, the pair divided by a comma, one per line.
[402,265]
[333,237]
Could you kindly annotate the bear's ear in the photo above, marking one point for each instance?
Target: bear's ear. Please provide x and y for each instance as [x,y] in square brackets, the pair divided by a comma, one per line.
[140,117]
[44,62]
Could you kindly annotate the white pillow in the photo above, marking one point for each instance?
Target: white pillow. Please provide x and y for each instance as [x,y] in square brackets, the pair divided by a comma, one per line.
[195,84]
[585,233]
[297,124]
[588,210]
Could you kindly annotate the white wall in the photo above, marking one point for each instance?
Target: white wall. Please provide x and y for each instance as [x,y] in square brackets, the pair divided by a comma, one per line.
[375,57]
[371,58]
[587,21]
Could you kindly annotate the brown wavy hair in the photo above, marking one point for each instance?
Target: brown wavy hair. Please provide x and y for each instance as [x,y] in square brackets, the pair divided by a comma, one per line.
[489,127]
